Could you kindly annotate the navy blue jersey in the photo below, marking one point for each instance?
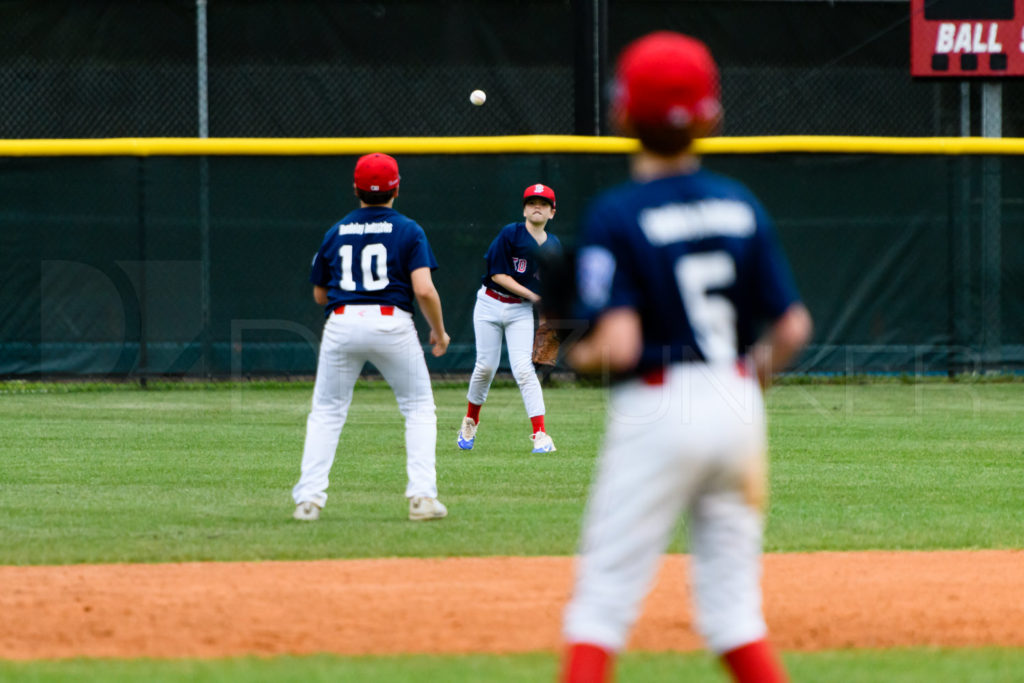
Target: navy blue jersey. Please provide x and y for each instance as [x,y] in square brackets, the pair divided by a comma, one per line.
[514,252]
[368,257]
[696,255]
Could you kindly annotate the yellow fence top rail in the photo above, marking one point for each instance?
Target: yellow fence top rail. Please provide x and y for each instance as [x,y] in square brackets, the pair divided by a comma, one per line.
[513,144]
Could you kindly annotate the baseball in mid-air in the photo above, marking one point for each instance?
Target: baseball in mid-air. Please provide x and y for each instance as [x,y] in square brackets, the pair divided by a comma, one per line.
[478,97]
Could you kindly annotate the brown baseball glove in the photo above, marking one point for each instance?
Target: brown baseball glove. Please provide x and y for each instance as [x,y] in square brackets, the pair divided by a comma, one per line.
[545,346]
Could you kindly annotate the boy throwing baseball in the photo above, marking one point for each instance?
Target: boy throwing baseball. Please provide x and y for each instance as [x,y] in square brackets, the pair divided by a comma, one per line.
[504,307]
[678,272]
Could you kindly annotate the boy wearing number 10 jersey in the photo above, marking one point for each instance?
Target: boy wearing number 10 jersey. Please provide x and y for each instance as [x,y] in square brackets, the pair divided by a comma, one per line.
[370,266]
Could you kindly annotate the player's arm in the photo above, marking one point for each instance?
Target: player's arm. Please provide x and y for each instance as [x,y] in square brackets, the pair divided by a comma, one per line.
[783,340]
[509,283]
[430,304]
[320,294]
[615,344]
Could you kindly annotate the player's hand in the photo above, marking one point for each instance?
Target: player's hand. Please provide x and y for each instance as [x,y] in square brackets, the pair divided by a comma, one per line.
[440,342]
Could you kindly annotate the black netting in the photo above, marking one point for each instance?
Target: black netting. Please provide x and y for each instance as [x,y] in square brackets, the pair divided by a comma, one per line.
[339,101]
[323,68]
[97,69]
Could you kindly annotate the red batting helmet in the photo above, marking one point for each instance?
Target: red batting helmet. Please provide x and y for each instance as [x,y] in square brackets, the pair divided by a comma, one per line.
[542,191]
[667,79]
[376,173]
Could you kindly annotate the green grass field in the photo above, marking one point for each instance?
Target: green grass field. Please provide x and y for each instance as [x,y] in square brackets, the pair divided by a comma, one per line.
[856,666]
[108,473]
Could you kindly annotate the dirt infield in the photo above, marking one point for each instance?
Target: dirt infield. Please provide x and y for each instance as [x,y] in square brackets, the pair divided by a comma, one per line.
[487,605]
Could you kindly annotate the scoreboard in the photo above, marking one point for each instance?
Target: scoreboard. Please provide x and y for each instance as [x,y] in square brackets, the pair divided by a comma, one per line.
[967,38]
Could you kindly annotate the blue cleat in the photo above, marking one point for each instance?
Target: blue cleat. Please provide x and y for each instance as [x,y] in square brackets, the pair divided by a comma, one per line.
[467,435]
[542,443]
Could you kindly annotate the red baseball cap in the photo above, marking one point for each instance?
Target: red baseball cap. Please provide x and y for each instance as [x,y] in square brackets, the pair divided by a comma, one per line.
[667,78]
[376,173]
[542,191]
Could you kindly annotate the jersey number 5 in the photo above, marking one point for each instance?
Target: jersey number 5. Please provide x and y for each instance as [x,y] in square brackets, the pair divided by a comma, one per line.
[374,262]
[712,316]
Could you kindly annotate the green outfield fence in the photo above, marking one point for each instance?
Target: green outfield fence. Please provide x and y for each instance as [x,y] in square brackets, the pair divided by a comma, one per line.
[141,257]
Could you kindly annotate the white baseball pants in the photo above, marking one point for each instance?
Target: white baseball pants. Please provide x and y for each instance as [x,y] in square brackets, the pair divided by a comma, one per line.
[682,447]
[350,339]
[492,319]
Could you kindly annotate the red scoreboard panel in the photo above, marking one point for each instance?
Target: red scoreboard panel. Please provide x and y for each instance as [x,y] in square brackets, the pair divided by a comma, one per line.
[967,38]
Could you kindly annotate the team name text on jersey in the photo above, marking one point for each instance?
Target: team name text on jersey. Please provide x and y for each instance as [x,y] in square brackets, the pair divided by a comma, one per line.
[697,220]
[365,228]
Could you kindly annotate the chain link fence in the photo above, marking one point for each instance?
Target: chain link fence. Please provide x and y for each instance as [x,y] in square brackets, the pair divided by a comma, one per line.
[343,68]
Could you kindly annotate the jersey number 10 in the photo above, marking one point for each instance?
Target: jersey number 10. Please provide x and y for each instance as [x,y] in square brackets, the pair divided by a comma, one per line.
[373,260]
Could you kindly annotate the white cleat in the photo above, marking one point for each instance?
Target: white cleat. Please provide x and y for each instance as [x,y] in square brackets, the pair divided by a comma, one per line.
[542,443]
[307,511]
[467,434]
[422,508]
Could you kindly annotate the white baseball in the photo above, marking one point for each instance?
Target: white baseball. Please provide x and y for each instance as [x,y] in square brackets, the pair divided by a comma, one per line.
[478,97]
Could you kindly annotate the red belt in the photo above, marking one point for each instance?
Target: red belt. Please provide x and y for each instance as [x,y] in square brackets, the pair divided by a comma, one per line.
[502,298]
[656,377]
[384,310]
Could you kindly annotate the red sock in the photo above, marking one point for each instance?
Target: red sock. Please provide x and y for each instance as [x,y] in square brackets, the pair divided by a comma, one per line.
[585,663]
[754,663]
[474,412]
[538,423]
